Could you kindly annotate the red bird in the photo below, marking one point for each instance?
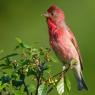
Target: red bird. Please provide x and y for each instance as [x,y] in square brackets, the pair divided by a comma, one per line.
[63,43]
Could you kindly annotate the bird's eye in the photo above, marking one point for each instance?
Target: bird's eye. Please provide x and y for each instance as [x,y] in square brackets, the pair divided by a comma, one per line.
[52,14]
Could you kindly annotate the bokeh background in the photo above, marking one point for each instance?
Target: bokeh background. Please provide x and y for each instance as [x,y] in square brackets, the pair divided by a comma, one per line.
[22,18]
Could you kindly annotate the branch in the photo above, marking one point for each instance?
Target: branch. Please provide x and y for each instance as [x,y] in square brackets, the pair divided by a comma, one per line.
[58,74]
[62,72]
[38,76]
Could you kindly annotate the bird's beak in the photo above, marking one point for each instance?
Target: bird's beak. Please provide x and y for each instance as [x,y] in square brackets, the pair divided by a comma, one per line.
[45,14]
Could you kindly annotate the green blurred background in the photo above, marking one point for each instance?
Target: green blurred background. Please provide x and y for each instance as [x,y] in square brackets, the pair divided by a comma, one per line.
[22,18]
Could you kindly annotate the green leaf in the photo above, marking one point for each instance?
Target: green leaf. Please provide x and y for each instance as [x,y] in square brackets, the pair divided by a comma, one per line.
[26,46]
[32,87]
[21,44]
[3,85]
[31,72]
[15,76]
[60,86]
[18,46]
[53,59]
[35,51]
[18,40]
[42,90]
[7,61]
[67,83]
[25,62]
[47,69]
[17,92]
[48,49]
[0,85]
[10,55]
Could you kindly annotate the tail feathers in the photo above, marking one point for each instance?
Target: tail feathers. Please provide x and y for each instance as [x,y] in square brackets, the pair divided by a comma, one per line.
[82,85]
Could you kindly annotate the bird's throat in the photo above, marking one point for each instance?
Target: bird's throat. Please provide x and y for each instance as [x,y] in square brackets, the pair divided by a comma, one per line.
[51,25]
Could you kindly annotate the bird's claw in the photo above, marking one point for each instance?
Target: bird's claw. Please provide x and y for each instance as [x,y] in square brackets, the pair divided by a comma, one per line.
[64,67]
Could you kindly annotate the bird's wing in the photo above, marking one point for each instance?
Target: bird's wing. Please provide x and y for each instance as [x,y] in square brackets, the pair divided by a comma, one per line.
[76,46]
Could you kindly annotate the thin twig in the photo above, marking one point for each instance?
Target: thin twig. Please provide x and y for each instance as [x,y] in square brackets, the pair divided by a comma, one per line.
[59,73]
[38,76]
[38,83]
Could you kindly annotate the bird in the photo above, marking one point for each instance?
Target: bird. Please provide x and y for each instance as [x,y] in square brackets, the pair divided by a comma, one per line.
[64,43]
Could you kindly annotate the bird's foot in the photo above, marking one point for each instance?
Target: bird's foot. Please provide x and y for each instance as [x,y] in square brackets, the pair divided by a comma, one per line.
[66,68]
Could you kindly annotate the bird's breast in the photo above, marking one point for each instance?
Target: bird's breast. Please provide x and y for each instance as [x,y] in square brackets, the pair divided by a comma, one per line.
[64,49]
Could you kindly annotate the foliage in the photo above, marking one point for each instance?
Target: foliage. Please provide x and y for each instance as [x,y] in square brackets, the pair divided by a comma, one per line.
[27,71]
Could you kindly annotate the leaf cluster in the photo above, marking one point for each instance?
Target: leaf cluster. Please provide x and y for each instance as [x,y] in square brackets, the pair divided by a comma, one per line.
[28,71]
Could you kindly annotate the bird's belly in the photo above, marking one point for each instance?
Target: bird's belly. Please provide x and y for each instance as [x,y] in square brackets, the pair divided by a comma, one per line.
[65,51]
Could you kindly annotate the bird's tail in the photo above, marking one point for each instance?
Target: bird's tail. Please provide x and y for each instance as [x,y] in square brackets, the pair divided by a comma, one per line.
[81,83]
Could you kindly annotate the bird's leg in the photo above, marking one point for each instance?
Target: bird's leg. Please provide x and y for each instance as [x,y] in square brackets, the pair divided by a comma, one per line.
[66,67]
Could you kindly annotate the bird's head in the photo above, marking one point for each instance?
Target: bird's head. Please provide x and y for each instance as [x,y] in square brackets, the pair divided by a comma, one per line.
[54,13]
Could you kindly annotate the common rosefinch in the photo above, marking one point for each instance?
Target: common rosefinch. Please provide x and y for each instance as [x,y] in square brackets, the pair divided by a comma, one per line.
[64,44]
